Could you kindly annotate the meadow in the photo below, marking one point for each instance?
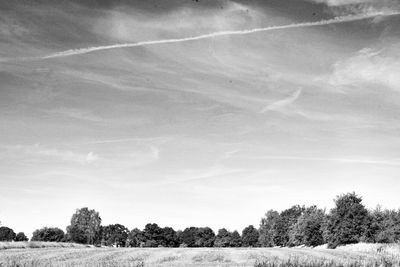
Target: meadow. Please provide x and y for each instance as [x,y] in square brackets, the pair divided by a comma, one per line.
[366,255]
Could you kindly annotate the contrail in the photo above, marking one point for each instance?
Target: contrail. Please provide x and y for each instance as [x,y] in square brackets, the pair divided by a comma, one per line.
[337,20]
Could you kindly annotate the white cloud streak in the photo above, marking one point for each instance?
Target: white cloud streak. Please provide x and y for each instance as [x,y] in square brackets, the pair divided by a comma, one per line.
[278,105]
[337,20]
[338,160]
[41,153]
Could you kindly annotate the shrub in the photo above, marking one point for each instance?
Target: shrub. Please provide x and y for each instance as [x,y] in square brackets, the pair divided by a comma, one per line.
[48,234]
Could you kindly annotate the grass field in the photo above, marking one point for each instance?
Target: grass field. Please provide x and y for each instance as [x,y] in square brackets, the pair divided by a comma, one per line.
[351,256]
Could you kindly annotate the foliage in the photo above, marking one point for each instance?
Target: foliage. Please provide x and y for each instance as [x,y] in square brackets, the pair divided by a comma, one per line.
[21,237]
[385,226]
[347,222]
[85,226]
[115,235]
[170,239]
[283,226]
[268,233]
[48,234]
[188,236]
[205,237]
[250,236]
[223,238]
[308,230]
[6,234]
[136,238]
[236,239]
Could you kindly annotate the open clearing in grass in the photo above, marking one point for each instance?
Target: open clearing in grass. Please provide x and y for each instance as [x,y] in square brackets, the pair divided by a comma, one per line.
[356,255]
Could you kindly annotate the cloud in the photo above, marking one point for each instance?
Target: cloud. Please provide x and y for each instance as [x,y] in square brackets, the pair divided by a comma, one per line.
[342,2]
[77,114]
[281,104]
[91,157]
[368,67]
[389,162]
[81,51]
[39,153]
[342,7]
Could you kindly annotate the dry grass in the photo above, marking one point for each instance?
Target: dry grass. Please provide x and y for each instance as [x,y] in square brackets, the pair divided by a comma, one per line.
[362,255]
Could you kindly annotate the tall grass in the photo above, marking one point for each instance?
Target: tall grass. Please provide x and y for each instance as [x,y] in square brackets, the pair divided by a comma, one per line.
[296,262]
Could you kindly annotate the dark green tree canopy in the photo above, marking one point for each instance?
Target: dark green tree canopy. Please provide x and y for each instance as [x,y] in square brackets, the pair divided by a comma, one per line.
[7,234]
[85,226]
[115,235]
[21,237]
[223,238]
[250,236]
[236,239]
[347,222]
[136,238]
[48,234]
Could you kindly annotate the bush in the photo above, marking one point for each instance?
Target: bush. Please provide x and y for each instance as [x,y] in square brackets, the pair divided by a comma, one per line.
[48,235]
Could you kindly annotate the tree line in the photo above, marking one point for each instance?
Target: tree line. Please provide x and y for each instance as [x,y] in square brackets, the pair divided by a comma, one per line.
[348,222]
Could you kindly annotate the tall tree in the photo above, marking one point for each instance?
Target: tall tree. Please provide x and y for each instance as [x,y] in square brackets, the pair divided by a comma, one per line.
[286,221]
[250,236]
[7,234]
[385,226]
[236,239]
[268,226]
[347,222]
[308,230]
[85,226]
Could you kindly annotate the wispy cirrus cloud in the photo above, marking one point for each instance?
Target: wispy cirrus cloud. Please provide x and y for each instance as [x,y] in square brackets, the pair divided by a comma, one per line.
[282,104]
[37,152]
[368,66]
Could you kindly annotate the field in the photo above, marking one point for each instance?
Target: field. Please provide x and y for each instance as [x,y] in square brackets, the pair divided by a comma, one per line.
[352,256]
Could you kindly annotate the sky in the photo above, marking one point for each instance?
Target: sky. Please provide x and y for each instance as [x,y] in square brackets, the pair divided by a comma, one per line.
[195,113]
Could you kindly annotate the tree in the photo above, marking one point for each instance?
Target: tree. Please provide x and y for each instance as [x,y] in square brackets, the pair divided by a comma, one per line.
[21,237]
[268,225]
[136,238]
[170,238]
[205,237]
[154,235]
[284,224]
[48,234]
[223,238]
[7,234]
[188,236]
[385,226]
[308,230]
[250,236]
[115,235]
[347,222]
[85,226]
[236,239]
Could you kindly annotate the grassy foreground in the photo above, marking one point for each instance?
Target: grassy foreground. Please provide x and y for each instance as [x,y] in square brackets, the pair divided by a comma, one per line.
[371,255]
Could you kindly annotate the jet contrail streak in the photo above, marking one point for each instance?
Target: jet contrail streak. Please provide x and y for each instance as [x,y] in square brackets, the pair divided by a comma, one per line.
[336,20]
